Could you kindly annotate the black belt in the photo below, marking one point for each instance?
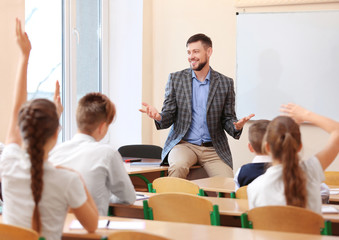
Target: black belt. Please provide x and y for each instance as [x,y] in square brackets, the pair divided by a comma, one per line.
[207,144]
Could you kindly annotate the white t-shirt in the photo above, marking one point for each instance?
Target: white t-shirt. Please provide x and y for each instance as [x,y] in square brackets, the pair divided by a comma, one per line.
[268,189]
[101,167]
[61,189]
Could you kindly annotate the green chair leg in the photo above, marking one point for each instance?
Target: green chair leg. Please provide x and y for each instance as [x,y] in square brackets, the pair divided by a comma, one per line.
[215,216]
[150,188]
[327,230]
[201,193]
[142,177]
[148,212]
[244,221]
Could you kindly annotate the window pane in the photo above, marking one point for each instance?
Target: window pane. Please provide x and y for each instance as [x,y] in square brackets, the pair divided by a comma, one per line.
[43,25]
[88,59]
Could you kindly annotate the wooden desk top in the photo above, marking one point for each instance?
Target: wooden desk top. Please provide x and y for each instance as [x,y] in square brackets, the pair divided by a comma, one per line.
[216,184]
[191,231]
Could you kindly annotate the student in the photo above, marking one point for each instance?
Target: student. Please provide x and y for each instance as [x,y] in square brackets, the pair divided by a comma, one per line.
[37,195]
[248,172]
[290,181]
[100,165]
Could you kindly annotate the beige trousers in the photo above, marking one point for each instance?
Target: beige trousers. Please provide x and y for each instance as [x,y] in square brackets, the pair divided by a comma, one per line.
[184,155]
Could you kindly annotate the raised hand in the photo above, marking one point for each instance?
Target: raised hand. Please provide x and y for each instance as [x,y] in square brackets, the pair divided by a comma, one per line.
[151,111]
[22,39]
[57,100]
[240,124]
[294,111]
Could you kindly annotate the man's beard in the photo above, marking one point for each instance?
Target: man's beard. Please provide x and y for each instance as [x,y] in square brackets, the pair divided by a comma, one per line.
[200,66]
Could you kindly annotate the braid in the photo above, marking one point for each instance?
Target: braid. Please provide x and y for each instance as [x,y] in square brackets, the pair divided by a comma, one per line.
[283,136]
[38,122]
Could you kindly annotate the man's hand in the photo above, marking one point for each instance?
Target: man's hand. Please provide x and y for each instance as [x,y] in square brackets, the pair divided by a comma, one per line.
[151,111]
[57,100]
[240,124]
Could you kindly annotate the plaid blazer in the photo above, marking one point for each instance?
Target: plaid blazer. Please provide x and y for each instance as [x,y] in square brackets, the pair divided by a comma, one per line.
[177,112]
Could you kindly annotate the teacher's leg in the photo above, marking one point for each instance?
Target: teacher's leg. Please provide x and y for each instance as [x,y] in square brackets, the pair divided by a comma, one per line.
[213,164]
[180,159]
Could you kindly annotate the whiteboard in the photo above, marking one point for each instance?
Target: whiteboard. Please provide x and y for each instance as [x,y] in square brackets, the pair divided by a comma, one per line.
[287,57]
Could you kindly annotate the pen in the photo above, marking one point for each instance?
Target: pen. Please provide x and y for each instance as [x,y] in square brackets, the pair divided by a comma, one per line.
[133,160]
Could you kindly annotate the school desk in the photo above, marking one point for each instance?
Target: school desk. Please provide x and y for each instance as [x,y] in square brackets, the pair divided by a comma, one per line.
[179,231]
[218,184]
[147,170]
[230,210]
[334,194]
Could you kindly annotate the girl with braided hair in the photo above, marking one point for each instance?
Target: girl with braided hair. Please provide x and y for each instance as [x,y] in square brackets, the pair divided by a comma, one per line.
[37,195]
[290,181]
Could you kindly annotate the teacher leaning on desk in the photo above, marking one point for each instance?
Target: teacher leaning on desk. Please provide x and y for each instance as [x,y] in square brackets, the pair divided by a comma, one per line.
[199,103]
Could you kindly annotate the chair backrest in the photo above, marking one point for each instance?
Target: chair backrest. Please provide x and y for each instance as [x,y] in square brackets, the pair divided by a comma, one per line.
[134,235]
[285,219]
[331,178]
[241,192]
[10,232]
[141,151]
[173,184]
[181,207]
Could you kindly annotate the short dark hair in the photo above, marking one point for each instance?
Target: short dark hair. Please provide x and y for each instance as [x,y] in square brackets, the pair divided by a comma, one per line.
[93,109]
[256,133]
[205,40]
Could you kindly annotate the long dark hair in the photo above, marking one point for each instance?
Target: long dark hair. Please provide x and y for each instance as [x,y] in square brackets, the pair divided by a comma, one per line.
[283,137]
[38,121]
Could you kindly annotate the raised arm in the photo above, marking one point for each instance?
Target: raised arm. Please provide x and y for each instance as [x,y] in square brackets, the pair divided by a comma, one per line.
[20,87]
[331,149]
[57,99]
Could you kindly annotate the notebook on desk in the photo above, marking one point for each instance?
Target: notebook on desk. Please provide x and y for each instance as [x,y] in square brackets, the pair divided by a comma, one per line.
[145,164]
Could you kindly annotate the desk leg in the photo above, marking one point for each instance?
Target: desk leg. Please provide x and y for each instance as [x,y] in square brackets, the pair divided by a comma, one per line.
[142,177]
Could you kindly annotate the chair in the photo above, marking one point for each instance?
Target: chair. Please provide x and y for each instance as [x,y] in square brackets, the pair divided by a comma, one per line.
[286,219]
[331,178]
[241,193]
[134,235]
[181,207]
[173,184]
[10,232]
[141,151]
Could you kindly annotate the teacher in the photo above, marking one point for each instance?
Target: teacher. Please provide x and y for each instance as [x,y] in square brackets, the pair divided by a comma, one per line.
[199,105]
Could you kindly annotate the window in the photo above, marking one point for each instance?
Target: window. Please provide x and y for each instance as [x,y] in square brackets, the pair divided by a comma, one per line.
[66,39]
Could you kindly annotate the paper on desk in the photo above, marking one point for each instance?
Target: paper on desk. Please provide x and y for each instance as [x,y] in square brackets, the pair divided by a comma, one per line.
[126,225]
[141,196]
[334,191]
[75,224]
[329,209]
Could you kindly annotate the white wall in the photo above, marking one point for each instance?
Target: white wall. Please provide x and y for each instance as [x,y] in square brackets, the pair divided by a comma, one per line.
[9,55]
[125,69]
